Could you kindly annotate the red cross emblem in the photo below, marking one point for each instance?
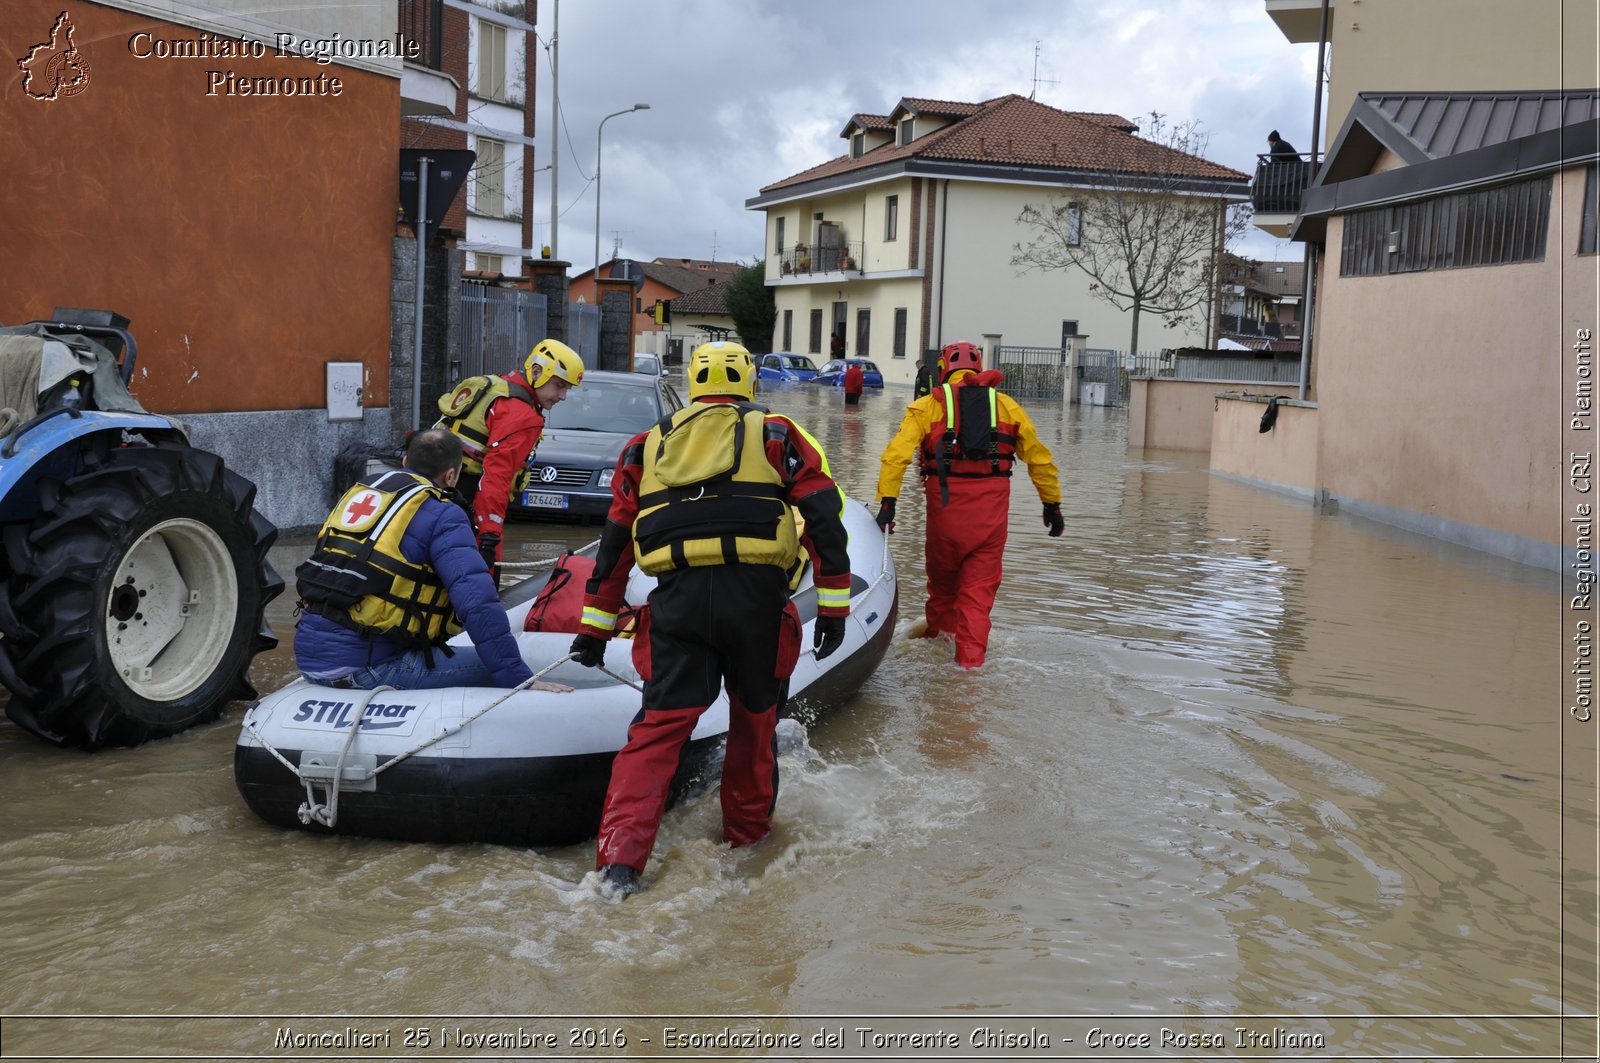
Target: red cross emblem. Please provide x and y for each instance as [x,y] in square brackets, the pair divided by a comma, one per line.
[360,508]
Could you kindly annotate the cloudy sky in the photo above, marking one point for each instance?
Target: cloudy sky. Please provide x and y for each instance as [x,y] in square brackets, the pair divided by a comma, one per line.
[746,92]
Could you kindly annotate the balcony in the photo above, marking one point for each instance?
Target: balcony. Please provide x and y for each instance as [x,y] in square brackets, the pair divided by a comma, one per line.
[1275,194]
[424,87]
[833,261]
[1300,21]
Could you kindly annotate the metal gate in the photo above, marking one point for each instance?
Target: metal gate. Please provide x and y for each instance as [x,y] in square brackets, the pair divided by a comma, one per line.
[1031,372]
[1102,378]
[583,332]
[499,326]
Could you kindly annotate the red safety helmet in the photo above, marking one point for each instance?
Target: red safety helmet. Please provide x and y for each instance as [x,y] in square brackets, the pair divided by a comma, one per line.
[958,357]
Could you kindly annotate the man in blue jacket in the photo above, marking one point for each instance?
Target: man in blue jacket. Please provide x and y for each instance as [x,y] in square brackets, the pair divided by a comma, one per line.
[396,572]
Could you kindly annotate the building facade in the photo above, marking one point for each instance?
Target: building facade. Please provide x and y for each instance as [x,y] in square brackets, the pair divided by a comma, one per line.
[906,241]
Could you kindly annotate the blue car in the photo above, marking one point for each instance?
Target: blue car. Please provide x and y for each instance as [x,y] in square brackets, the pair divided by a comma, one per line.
[832,374]
[779,368]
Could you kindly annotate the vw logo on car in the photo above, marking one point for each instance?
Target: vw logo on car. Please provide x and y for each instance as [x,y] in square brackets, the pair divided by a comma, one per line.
[548,474]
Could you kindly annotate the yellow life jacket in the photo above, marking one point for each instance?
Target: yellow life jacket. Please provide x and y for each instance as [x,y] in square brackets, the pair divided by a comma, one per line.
[709,496]
[466,413]
[357,576]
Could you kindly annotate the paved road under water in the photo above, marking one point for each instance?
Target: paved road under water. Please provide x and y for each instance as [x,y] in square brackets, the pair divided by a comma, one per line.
[1237,780]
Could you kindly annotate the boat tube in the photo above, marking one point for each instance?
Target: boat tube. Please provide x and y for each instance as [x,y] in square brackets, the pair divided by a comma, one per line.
[526,767]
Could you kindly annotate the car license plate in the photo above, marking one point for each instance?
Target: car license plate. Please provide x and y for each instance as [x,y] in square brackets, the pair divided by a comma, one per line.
[543,500]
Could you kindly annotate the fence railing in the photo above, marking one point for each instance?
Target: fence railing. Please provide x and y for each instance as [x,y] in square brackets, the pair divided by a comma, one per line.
[1279,183]
[423,21]
[804,259]
[1103,374]
[499,326]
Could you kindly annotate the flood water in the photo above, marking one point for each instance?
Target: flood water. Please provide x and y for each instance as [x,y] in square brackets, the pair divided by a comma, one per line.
[1238,780]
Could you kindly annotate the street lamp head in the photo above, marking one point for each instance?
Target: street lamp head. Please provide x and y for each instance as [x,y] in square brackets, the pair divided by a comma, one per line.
[641,107]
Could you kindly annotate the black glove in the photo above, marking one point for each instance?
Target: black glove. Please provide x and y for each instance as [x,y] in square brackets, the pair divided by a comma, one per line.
[1052,519]
[829,635]
[886,516]
[489,547]
[590,650]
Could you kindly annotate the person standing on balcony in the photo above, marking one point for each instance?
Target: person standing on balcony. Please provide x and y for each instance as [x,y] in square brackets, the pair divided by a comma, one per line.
[499,424]
[966,435]
[1281,150]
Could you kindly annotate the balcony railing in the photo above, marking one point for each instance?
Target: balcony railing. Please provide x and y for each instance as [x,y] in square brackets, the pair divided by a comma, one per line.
[803,259]
[1280,182]
[1238,325]
[423,21]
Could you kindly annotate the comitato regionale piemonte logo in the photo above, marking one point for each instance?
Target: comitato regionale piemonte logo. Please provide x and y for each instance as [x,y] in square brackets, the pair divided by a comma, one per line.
[55,68]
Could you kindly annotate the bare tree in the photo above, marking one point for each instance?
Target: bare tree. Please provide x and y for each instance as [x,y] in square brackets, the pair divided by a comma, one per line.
[1149,241]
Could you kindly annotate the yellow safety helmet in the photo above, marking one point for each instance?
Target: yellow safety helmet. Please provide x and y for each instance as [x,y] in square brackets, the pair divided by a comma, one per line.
[552,358]
[721,368]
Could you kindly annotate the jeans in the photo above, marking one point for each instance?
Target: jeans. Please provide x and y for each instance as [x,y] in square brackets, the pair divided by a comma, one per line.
[410,671]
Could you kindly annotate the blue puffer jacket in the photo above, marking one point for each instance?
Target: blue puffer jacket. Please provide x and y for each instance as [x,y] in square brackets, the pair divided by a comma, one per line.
[440,537]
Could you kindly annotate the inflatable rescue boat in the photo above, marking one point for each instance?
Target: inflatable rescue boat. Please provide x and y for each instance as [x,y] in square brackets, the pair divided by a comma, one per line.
[525,768]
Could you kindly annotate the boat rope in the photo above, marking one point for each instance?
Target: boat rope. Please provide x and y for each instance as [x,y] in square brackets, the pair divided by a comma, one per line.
[326,812]
[509,566]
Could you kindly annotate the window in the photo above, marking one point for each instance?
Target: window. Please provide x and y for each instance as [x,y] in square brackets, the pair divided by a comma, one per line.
[491,60]
[488,263]
[489,179]
[899,332]
[1483,227]
[815,346]
[863,319]
[905,131]
[781,220]
[891,217]
[1074,224]
[1591,207]
[788,329]
[858,145]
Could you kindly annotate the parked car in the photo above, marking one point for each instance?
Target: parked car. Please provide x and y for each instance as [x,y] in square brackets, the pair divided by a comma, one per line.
[570,473]
[833,372]
[776,368]
[649,364]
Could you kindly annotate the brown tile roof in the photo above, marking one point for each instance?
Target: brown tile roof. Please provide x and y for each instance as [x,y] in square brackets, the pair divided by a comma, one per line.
[1015,131]
[687,275]
[707,300]
[878,122]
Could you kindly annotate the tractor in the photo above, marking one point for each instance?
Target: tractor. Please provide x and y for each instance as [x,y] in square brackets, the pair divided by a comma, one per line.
[133,575]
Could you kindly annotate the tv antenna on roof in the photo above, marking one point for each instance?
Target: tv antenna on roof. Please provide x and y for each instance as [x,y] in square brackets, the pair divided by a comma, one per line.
[1037,80]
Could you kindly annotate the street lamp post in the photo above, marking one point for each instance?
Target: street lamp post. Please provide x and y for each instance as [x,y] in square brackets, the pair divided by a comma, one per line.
[597,142]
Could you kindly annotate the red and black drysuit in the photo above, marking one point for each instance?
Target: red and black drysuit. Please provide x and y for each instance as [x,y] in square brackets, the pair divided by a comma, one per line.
[965,454]
[706,626]
[513,425]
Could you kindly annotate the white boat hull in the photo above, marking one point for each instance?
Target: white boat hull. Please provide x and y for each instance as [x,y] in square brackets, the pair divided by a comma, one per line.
[532,770]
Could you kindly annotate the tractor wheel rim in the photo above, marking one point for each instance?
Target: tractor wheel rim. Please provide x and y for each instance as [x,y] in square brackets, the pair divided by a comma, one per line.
[171,609]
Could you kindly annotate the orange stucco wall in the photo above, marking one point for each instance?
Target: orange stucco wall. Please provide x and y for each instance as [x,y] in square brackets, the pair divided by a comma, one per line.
[248,238]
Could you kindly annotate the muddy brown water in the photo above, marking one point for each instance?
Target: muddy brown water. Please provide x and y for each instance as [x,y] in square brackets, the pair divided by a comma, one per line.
[1237,780]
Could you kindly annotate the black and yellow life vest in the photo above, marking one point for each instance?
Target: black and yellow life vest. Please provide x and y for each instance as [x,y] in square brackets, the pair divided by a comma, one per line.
[466,413]
[708,495]
[357,576]
[971,440]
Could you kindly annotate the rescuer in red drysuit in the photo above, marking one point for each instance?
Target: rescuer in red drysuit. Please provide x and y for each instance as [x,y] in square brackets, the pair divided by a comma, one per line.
[703,501]
[966,435]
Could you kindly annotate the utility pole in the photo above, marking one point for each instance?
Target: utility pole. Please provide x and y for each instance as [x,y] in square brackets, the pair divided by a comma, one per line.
[555,124]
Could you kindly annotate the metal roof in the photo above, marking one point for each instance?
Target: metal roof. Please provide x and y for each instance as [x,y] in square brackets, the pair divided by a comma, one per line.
[1438,124]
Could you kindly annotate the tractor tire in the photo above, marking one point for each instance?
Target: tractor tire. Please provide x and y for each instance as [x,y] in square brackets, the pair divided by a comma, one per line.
[134,603]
